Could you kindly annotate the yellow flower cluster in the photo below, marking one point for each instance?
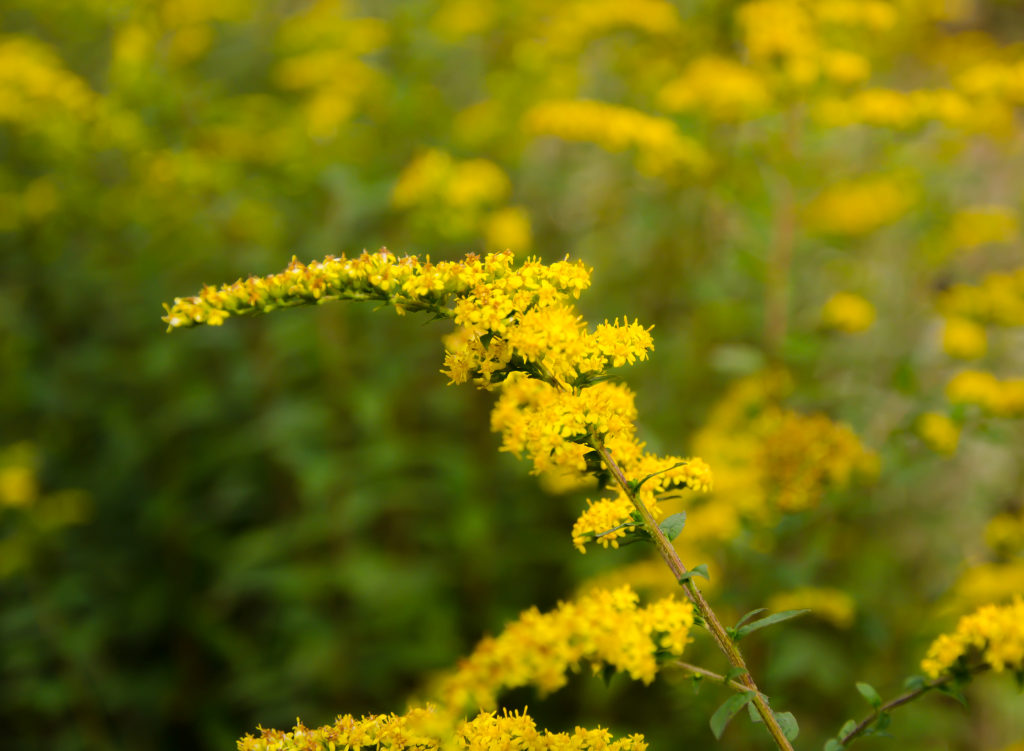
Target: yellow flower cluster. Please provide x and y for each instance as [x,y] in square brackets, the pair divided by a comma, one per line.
[717,87]
[458,198]
[995,633]
[939,432]
[847,312]
[1001,398]
[407,283]
[519,332]
[964,339]
[421,729]
[998,299]
[791,36]
[769,460]
[661,149]
[1005,533]
[983,225]
[858,207]
[832,605]
[574,23]
[603,627]
[902,110]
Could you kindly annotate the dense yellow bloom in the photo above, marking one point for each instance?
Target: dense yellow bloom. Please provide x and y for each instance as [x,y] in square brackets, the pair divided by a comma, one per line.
[1004,533]
[424,729]
[508,229]
[939,432]
[985,583]
[832,605]
[1002,398]
[995,633]
[661,149]
[983,225]
[998,299]
[964,339]
[717,87]
[517,332]
[603,627]
[847,312]
[860,206]
[576,22]
[18,464]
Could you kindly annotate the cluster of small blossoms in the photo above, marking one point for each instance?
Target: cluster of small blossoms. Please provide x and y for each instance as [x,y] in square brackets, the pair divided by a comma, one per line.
[998,299]
[977,226]
[964,339]
[995,633]
[517,332]
[939,432]
[603,627]
[771,460]
[498,290]
[661,149]
[424,729]
[1000,398]
[858,207]
[847,312]
[832,605]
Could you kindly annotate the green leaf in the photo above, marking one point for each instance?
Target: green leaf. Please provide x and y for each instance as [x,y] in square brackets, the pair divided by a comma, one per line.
[770,620]
[884,720]
[733,673]
[788,723]
[753,713]
[847,728]
[673,525]
[728,710]
[748,616]
[869,693]
[913,683]
[833,744]
[954,691]
[699,570]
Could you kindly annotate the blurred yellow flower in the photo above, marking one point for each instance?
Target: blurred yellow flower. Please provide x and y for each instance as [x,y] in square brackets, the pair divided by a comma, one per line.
[857,207]
[939,432]
[983,225]
[847,312]
[832,605]
[508,228]
[964,339]
[17,485]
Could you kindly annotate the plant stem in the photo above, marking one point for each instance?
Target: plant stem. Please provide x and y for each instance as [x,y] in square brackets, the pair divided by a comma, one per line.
[711,675]
[900,700]
[671,557]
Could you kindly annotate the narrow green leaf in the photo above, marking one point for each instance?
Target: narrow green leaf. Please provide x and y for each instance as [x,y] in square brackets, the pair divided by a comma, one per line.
[788,723]
[728,710]
[847,728]
[699,570]
[913,683]
[833,744]
[769,620]
[753,713]
[954,691]
[869,693]
[748,616]
[673,525]
[733,673]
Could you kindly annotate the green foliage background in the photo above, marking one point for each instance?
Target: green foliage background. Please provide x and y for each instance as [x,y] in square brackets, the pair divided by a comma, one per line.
[294,516]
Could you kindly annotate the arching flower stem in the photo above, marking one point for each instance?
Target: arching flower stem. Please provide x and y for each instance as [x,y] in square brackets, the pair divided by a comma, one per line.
[671,558]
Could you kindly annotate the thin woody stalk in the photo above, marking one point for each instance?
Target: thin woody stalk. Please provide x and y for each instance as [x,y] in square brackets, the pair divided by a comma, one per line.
[671,557]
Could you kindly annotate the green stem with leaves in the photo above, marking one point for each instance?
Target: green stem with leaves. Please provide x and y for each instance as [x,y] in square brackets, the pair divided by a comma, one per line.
[864,725]
[671,557]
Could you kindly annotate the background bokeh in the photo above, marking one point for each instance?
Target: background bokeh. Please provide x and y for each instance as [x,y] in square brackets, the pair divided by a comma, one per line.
[295,516]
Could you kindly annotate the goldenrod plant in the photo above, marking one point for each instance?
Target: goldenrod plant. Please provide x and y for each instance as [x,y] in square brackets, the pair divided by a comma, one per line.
[812,207]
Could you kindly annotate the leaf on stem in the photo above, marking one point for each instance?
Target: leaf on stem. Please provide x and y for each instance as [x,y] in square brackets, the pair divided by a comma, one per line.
[728,710]
[699,570]
[785,615]
[673,525]
[868,692]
